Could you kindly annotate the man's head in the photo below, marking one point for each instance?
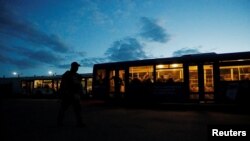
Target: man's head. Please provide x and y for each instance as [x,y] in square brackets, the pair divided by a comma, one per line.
[74,66]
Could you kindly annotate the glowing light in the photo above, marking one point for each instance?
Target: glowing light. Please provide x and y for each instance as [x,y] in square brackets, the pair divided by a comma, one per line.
[50,72]
[14,73]
[160,66]
[174,65]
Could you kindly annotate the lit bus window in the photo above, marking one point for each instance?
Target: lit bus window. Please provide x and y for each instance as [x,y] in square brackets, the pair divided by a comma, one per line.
[43,87]
[27,86]
[56,85]
[193,78]
[208,78]
[169,73]
[112,81]
[43,84]
[235,73]
[122,78]
[141,74]
[83,83]
[59,84]
[89,85]
[101,75]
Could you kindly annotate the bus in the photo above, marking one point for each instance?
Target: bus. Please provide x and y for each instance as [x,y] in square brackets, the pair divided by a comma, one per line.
[206,77]
[40,86]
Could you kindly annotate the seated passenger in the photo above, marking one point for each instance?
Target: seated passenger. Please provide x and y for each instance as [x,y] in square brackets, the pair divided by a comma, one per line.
[247,77]
[170,80]
[161,79]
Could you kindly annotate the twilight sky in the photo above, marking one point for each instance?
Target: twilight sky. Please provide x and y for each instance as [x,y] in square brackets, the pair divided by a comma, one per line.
[37,36]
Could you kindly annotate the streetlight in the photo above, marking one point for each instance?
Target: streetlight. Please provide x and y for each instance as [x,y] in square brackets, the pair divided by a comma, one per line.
[50,72]
[14,73]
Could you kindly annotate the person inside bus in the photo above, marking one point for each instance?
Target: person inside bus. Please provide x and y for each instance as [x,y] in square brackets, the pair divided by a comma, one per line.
[118,84]
[70,91]
[161,79]
[247,77]
[170,79]
[146,76]
[100,78]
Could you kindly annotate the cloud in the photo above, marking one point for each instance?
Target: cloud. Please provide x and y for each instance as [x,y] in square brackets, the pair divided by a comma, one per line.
[121,50]
[21,63]
[85,62]
[62,66]
[89,62]
[126,49]
[185,51]
[152,31]
[44,56]
[95,14]
[101,18]
[24,46]
[15,27]
[130,48]
[14,55]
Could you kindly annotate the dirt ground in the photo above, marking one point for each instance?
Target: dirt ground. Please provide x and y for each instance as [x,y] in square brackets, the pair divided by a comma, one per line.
[35,119]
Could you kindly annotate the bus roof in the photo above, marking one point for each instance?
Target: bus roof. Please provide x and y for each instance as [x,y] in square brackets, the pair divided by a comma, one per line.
[201,57]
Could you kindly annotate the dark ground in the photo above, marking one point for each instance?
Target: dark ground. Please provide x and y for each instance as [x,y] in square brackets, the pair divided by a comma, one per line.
[31,119]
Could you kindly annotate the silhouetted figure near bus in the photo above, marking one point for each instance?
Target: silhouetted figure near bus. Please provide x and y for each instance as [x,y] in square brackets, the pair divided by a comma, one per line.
[70,90]
[118,84]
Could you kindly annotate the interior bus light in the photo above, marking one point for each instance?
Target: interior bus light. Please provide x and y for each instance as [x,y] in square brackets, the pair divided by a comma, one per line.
[160,66]
[174,65]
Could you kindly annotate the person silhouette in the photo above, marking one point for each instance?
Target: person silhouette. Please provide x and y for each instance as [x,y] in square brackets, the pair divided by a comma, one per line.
[70,91]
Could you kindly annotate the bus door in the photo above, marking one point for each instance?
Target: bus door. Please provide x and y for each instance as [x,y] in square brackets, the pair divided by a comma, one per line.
[201,82]
[116,83]
[209,79]
[121,83]
[111,90]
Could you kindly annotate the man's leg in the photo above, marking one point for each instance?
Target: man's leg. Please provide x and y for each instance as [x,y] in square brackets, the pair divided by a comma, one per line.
[64,106]
[78,114]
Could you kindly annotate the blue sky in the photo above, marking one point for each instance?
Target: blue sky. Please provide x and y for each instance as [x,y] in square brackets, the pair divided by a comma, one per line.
[37,36]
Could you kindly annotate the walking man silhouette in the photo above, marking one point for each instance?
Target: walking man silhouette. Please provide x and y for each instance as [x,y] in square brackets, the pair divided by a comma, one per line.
[70,91]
